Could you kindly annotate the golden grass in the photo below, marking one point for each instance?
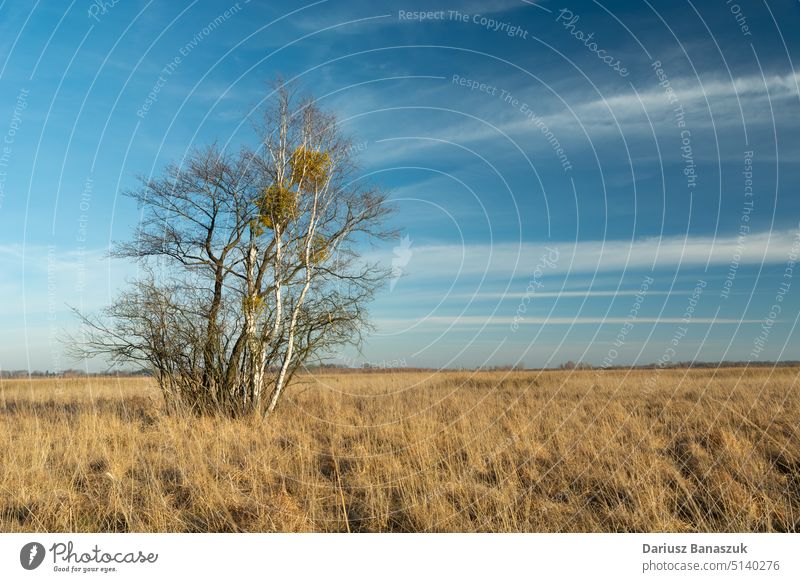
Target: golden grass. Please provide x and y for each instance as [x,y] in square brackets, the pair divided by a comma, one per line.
[457,451]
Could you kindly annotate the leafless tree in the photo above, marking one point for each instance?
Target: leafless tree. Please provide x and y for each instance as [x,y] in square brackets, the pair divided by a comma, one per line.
[252,265]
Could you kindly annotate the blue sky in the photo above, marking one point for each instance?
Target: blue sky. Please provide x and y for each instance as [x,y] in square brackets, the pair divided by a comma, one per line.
[576,180]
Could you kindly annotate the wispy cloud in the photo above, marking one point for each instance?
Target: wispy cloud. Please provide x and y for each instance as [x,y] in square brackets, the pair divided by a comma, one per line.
[43,279]
[722,96]
[565,294]
[604,115]
[440,321]
[506,260]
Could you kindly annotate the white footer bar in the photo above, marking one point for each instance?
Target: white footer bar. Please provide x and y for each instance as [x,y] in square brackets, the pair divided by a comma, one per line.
[382,557]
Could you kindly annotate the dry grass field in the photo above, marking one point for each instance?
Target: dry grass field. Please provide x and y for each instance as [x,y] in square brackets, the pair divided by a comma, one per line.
[703,450]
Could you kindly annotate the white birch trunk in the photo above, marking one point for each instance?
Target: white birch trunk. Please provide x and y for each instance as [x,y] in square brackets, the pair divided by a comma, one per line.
[280,381]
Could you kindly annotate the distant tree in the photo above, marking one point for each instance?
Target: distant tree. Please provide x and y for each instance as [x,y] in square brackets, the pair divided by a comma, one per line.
[251,263]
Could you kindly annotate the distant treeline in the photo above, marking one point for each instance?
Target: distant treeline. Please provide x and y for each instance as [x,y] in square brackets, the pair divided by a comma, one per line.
[722,364]
[373,369]
[70,373]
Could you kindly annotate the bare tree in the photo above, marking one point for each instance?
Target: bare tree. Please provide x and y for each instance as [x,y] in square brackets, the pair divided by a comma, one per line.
[252,265]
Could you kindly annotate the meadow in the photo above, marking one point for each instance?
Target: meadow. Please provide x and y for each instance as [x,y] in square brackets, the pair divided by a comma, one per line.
[553,451]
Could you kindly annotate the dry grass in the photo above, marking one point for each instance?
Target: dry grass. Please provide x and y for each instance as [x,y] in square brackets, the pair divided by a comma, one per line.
[554,451]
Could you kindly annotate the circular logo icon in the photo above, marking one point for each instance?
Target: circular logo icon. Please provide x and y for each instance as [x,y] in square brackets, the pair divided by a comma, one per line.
[31,555]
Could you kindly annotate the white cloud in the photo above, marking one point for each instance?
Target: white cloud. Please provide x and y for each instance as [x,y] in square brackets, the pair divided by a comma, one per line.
[754,97]
[486,320]
[721,95]
[46,279]
[564,294]
[499,262]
